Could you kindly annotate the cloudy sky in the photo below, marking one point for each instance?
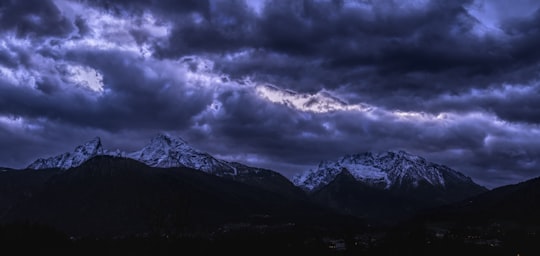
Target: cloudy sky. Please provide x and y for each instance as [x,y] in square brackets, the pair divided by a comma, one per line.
[277,84]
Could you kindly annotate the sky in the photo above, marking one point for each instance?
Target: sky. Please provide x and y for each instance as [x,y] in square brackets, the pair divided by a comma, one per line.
[277,84]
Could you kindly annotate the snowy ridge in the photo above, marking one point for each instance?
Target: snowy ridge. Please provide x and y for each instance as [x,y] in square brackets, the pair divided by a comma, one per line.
[163,151]
[71,159]
[386,170]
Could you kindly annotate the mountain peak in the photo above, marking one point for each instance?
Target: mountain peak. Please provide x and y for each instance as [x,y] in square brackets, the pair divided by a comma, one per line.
[401,153]
[162,151]
[67,160]
[91,147]
[387,170]
[405,154]
[166,151]
[167,142]
[96,140]
[168,139]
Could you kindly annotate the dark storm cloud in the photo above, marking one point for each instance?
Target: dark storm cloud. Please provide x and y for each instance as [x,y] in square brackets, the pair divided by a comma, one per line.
[422,52]
[13,56]
[82,26]
[6,59]
[435,41]
[448,80]
[164,7]
[31,138]
[513,103]
[21,146]
[135,100]
[227,27]
[281,135]
[33,18]
[272,131]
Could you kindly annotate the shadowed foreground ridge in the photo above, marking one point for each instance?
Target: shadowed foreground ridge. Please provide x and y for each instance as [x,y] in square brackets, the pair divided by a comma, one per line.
[114,205]
[111,196]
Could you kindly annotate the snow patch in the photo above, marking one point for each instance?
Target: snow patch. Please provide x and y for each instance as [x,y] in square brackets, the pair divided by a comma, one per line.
[163,151]
[385,170]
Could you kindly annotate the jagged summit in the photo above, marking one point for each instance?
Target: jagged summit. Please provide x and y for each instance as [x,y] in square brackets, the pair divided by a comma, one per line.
[388,170]
[166,139]
[71,159]
[166,151]
[93,146]
[162,151]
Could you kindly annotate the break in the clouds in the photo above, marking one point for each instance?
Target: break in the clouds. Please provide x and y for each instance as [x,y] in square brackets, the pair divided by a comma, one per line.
[278,84]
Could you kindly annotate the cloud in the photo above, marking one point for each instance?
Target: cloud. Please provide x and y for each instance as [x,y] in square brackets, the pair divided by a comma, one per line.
[34,18]
[279,84]
[321,102]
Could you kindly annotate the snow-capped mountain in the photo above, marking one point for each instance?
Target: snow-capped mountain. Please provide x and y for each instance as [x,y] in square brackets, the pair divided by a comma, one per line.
[164,151]
[387,170]
[71,159]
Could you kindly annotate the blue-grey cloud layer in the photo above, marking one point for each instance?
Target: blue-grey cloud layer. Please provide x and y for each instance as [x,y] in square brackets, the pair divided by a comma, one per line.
[454,81]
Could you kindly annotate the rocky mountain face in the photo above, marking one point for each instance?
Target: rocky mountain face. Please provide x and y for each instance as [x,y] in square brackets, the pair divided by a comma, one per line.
[114,196]
[377,185]
[169,189]
[389,170]
[165,151]
[71,159]
[347,195]
[382,185]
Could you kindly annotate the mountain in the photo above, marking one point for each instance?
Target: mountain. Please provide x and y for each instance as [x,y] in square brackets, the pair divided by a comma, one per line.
[517,204]
[347,195]
[71,159]
[17,185]
[165,151]
[502,221]
[266,179]
[112,196]
[381,184]
[389,170]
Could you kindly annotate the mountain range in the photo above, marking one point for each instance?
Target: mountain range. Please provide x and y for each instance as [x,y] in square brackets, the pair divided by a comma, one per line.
[512,206]
[164,151]
[92,187]
[385,185]
[387,170]
[393,170]
[112,196]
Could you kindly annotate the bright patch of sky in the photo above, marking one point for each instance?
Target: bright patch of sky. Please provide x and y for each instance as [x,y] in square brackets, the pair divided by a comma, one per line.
[86,77]
[17,123]
[325,102]
[107,32]
[256,5]
[114,32]
[320,102]
[492,14]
